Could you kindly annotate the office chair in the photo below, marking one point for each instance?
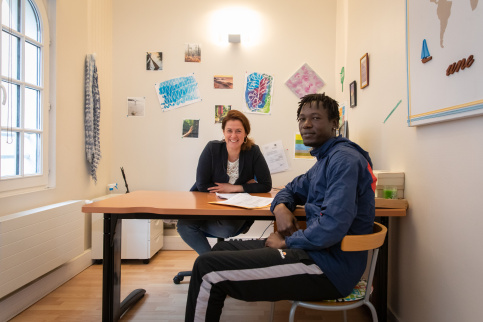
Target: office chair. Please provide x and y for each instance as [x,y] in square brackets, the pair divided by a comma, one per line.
[361,293]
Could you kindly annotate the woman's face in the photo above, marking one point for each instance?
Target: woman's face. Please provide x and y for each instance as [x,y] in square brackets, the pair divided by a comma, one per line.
[234,133]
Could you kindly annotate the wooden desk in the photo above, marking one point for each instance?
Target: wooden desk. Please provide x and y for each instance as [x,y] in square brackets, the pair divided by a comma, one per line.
[166,205]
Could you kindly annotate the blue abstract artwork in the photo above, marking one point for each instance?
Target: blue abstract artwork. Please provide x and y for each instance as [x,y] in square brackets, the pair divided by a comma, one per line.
[177,92]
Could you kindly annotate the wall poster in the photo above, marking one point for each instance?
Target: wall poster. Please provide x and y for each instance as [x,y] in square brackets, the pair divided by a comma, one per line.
[444,60]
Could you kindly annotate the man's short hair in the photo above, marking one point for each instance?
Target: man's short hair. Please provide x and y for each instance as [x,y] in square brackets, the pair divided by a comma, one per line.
[321,100]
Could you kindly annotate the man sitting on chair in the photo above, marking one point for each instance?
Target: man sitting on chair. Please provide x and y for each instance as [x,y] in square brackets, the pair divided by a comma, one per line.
[298,264]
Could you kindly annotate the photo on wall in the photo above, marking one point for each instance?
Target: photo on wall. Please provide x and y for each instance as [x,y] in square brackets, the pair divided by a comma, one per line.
[220,112]
[136,106]
[154,61]
[223,81]
[192,53]
[190,128]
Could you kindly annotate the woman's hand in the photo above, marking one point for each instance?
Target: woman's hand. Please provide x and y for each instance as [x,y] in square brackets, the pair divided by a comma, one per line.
[286,222]
[275,240]
[225,188]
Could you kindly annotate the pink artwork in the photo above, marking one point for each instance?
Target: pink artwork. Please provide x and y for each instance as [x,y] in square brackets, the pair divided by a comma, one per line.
[305,81]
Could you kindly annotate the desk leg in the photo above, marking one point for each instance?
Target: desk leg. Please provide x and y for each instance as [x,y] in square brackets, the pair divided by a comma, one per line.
[112,308]
[379,295]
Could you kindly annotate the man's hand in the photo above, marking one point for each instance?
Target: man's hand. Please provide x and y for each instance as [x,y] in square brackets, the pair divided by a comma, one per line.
[275,240]
[286,222]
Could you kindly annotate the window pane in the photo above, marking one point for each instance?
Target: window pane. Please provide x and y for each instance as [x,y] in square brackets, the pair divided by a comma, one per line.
[11,14]
[11,109]
[10,56]
[32,71]
[31,22]
[10,143]
[31,153]
[32,109]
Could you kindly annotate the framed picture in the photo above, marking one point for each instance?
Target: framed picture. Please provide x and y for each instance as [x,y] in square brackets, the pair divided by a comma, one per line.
[353,92]
[365,71]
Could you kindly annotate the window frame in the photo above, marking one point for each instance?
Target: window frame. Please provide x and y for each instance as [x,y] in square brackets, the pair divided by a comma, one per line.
[42,180]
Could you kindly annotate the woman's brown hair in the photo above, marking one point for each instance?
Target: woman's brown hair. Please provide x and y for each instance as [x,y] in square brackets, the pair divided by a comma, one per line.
[237,115]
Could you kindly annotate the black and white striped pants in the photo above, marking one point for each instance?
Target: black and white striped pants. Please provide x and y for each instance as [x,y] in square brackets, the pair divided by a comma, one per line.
[249,271]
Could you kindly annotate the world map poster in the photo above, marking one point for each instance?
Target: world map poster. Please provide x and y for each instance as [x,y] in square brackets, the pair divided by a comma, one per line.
[445,60]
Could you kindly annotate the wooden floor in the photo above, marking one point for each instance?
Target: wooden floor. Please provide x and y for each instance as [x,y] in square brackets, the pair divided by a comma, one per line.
[80,298]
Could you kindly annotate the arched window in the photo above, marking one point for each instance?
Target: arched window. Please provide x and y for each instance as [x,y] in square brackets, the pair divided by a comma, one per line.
[24,95]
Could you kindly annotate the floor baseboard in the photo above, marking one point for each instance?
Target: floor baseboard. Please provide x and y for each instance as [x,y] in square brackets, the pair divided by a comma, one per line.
[16,302]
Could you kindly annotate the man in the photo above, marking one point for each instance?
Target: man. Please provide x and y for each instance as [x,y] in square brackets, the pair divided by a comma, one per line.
[293,263]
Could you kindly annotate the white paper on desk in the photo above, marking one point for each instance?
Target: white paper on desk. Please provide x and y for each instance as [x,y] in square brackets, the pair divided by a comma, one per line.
[246,200]
[275,156]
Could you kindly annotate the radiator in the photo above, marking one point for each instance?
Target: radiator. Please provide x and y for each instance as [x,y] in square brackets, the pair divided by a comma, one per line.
[34,242]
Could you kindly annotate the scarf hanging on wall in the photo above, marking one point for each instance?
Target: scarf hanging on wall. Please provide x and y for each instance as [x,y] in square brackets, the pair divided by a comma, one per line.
[92,112]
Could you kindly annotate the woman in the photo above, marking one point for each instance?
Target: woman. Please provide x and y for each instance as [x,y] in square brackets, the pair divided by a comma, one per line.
[234,164]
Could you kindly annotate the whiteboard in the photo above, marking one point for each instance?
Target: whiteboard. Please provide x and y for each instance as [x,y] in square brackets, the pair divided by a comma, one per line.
[453,31]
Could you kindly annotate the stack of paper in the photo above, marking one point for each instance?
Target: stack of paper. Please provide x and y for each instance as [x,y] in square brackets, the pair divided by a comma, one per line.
[243,200]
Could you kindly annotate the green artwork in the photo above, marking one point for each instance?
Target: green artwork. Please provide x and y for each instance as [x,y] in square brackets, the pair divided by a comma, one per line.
[342,76]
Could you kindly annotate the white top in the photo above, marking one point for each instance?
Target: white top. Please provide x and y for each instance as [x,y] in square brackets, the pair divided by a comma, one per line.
[233,170]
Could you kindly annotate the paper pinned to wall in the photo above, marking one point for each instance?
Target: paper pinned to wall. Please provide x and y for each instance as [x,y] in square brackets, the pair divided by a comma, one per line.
[258,92]
[301,150]
[305,81]
[178,92]
[275,156]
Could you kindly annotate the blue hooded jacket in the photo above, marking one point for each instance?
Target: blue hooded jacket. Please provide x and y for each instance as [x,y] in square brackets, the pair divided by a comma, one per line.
[338,195]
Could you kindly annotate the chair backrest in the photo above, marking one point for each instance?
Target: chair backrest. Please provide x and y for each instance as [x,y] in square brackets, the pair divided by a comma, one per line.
[355,243]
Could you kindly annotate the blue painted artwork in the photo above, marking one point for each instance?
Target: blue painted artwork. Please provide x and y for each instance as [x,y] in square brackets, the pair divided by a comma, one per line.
[178,92]
[258,92]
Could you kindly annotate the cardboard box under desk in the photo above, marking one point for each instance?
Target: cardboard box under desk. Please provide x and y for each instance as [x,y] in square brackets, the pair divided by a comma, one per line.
[389,178]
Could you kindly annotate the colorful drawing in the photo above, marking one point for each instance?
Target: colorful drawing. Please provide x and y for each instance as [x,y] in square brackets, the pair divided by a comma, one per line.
[190,128]
[301,151]
[304,81]
[192,53]
[178,92]
[220,112]
[223,81]
[258,92]
[154,61]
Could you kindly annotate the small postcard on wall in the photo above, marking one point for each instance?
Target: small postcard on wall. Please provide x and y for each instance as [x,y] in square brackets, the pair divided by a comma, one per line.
[223,81]
[136,106]
[192,53]
[220,112]
[154,61]
[190,128]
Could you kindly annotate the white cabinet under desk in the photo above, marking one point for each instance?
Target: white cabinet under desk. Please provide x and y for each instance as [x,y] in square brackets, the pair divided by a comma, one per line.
[141,238]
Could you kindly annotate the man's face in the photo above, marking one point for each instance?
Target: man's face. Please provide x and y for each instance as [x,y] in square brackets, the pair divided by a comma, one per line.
[314,125]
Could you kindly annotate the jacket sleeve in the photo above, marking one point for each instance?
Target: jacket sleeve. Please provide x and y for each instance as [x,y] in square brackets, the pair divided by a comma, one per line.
[204,172]
[294,193]
[260,172]
[329,222]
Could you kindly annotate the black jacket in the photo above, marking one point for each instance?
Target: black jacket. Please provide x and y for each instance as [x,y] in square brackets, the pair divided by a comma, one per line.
[212,168]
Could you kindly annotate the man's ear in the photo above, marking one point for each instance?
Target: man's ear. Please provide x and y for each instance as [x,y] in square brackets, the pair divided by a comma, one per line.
[335,123]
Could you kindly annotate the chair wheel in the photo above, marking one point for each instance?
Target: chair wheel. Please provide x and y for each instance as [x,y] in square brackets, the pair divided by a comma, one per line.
[177,279]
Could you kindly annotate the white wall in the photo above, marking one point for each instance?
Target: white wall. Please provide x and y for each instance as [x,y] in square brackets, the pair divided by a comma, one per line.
[435,264]
[150,148]
[81,27]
